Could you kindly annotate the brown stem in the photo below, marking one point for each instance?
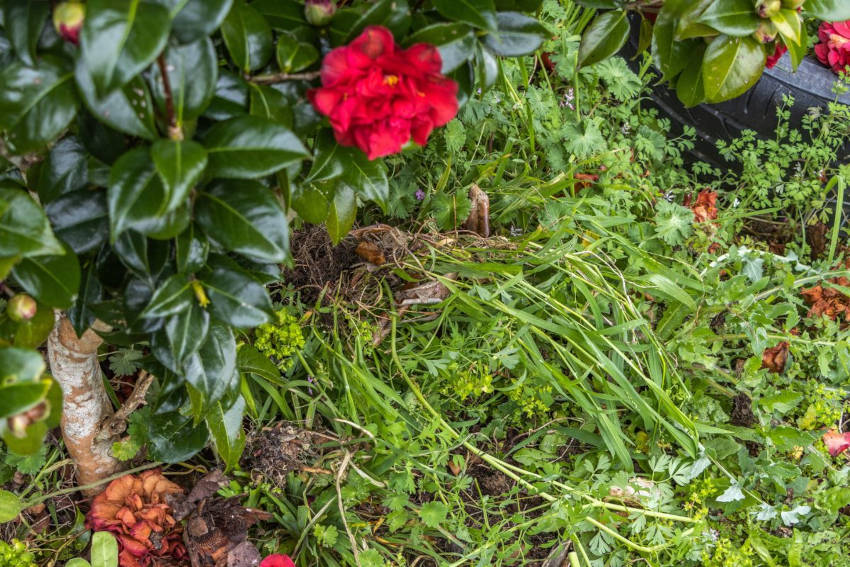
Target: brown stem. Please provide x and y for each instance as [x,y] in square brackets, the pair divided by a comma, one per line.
[85,404]
[117,424]
[281,77]
[174,130]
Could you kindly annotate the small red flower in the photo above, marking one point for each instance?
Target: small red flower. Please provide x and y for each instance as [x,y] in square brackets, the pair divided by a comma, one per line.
[704,208]
[277,560]
[778,52]
[834,46]
[379,97]
[836,442]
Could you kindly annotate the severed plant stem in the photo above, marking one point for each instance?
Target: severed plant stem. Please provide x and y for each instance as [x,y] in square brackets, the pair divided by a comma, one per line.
[273,78]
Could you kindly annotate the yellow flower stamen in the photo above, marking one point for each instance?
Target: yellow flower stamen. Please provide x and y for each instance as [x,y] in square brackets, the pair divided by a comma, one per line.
[391,80]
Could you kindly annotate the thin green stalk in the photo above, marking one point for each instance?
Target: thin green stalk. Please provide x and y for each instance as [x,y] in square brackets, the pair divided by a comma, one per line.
[82,487]
[839,209]
[511,470]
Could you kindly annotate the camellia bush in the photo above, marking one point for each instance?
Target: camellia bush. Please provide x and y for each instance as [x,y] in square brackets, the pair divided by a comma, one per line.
[155,153]
[709,50]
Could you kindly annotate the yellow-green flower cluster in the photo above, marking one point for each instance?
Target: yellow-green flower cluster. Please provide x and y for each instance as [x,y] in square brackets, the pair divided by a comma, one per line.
[281,338]
[15,554]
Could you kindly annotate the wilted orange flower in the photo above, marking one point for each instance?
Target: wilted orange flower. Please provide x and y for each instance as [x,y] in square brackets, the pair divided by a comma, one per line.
[134,509]
[774,358]
[704,208]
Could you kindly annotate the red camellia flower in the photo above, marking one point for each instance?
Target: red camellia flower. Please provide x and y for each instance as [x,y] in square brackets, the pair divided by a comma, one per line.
[836,442]
[379,97]
[834,46]
[277,560]
[778,52]
[134,509]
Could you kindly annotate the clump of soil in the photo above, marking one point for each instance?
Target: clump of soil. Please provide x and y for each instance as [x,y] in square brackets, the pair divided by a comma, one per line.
[276,451]
[318,263]
[742,410]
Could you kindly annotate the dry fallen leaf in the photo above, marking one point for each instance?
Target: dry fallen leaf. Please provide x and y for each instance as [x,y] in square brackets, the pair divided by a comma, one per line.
[704,208]
[478,220]
[774,358]
[371,253]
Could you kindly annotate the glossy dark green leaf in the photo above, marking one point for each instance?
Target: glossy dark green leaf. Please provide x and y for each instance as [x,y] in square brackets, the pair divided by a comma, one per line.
[348,23]
[732,17]
[230,99]
[689,87]
[186,331]
[689,25]
[27,444]
[24,229]
[731,66]
[91,291]
[670,54]
[120,38]
[271,104]
[249,146]
[191,250]
[517,35]
[518,5]
[198,18]
[173,296]
[604,37]
[53,280]
[248,37]
[790,26]
[23,21]
[192,74]
[454,41]
[477,13]
[128,109]
[350,166]
[284,15]
[105,143]
[828,10]
[19,397]
[180,165]
[250,360]
[141,255]
[212,370]
[225,425]
[81,219]
[294,55]
[341,213]
[245,217]
[65,170]
[236,299]
[136,194]
[310,203]
[33,332]
[798,52]
[20,365]
[36,103]
[173,438]
[486,67]
[167,226]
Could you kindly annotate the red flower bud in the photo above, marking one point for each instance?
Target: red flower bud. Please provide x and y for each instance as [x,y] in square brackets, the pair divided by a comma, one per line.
[319,12]
[21,307]
[68,19]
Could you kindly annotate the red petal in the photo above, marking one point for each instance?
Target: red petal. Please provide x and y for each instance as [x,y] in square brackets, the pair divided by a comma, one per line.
[374,42]
[277,560]
[836,442]
[425,57]
[842,28]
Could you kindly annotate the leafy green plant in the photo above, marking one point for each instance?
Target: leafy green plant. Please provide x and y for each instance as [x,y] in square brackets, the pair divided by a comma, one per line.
[711,50]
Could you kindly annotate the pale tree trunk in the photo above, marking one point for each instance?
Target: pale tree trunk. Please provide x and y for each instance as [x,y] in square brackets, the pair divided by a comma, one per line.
[85,405]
